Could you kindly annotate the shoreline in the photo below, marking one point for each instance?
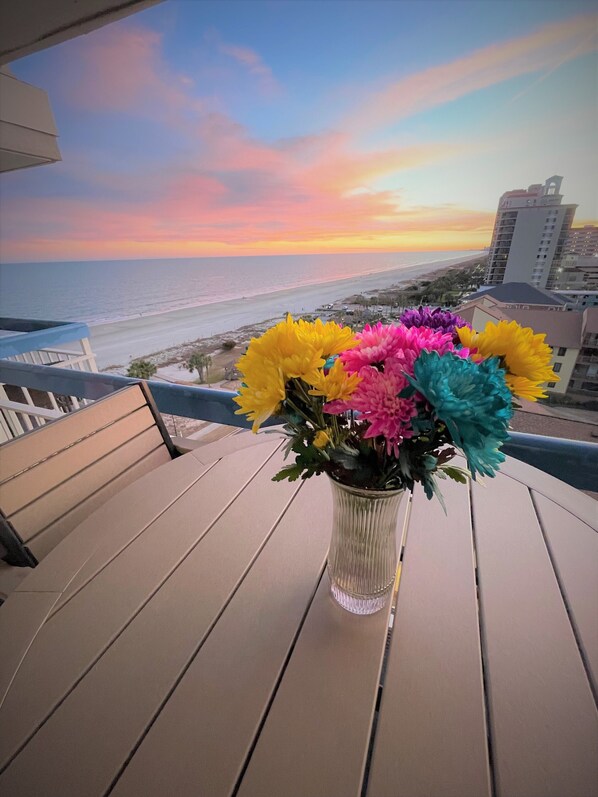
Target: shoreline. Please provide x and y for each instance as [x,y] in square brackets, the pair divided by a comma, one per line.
[289,289]
[116,343]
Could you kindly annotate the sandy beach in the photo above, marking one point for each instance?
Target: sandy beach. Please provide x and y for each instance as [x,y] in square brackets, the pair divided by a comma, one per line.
[116,343]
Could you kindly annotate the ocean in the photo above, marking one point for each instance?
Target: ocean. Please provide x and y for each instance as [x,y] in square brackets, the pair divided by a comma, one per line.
[99,292]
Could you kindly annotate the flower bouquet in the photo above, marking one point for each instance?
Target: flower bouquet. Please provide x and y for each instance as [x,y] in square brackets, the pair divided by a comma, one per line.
[384,408]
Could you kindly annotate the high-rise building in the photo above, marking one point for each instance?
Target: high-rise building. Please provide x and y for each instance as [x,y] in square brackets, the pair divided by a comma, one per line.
[530,231]
[582,241]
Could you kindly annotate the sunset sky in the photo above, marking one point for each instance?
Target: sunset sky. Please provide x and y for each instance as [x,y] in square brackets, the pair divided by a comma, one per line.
[217,128]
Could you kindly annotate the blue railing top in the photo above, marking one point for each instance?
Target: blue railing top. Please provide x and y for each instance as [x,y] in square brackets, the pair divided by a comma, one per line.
[572,461]
[189,401]
[29,334]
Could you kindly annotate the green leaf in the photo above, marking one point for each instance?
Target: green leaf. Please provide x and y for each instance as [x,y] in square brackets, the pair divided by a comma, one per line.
[290,472]
[456,474]
[345,457]
[437,493]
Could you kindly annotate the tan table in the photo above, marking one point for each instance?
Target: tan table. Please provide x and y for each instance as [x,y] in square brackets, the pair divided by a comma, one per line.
[182,642]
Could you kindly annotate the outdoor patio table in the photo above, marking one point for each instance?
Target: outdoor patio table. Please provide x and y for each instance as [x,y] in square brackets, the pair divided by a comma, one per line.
[182,641]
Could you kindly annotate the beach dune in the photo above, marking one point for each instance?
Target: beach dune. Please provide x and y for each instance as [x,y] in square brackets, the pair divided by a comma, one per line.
[118,342]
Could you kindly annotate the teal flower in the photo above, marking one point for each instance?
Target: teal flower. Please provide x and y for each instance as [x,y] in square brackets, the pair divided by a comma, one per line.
[474,402]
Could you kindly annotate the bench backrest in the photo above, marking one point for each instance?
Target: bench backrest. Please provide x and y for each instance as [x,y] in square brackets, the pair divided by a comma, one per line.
[54,477]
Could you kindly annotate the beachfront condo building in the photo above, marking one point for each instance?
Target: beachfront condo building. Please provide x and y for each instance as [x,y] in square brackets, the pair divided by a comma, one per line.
[582,241]
[529,236]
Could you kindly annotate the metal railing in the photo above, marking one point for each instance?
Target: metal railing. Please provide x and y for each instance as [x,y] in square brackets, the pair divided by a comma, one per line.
[572,461]
[201,403]
[39,342]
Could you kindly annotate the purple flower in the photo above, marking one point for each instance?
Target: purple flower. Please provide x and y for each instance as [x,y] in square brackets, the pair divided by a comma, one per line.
[433,318]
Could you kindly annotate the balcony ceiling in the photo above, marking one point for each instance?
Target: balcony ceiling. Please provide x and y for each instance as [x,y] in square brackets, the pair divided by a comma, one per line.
[27,129]
[27,26]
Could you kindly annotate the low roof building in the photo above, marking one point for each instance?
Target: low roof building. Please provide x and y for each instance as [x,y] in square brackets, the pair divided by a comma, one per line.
[514,294]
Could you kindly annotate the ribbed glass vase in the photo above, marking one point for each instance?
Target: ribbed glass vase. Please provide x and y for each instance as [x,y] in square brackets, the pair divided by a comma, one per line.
[362,559]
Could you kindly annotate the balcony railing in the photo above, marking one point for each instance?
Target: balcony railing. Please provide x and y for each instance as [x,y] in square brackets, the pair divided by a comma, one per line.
[570,460]
[49,343]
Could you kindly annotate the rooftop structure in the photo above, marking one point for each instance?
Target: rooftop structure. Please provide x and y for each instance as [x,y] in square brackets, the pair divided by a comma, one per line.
[519,294]
[529,235]
[579,299]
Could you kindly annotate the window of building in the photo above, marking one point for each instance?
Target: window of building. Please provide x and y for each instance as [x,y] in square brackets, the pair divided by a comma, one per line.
[562,351]
[551,384]
[557,367]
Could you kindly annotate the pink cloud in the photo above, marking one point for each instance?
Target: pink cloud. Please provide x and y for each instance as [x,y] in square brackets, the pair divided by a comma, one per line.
[122,69]
[273,196]
[253,63]
[546,48]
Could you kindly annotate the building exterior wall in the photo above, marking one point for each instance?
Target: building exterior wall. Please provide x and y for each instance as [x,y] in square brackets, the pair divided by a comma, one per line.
[579,300]
[565,358]
[566,361]
[583,241]
[529,235]
[585,375]
[577,272]
[481,318]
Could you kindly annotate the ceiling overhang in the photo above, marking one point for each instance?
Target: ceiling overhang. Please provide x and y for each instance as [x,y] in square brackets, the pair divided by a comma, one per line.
[27,26]
[27,128]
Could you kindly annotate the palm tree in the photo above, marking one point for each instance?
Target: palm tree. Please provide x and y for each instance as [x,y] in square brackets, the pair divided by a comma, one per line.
[198,361]
[141,369]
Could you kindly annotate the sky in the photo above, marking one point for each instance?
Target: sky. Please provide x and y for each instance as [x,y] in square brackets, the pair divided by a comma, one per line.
[245,128]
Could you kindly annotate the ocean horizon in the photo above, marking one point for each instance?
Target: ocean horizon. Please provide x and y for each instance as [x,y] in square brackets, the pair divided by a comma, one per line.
[106,291]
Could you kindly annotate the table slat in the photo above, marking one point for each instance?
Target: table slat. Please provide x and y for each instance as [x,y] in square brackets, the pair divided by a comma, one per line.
[431,734]
[116,528]
[77,635]
[329,690]
[109,711]
[199,743]
[229,445]
[53,535]
[149,501]
[579,504]
[21,616]
[543,717]
[574,550]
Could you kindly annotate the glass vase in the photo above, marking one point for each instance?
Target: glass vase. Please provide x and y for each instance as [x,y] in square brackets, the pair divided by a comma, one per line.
[362,559]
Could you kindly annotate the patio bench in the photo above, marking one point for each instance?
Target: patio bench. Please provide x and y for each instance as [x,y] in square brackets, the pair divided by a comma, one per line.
[55,476]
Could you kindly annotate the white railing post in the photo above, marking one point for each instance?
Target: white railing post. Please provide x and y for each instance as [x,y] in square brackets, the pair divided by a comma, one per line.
[10,417]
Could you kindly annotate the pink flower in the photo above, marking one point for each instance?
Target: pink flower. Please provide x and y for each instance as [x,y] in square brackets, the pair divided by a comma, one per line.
[381,344]
[382,358]
[378,402]
[375,345]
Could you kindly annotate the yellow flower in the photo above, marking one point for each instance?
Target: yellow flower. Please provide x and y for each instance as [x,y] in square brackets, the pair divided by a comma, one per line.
[286,347]
[321,439]
[525,355]
[337,384]
[261,396]
[329,337]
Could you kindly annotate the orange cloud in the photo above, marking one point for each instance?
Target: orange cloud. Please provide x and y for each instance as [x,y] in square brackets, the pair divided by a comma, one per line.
[546,48]
[233,194]
[195,219]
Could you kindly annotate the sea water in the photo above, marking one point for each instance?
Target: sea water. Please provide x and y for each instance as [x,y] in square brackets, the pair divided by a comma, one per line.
[105,291]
